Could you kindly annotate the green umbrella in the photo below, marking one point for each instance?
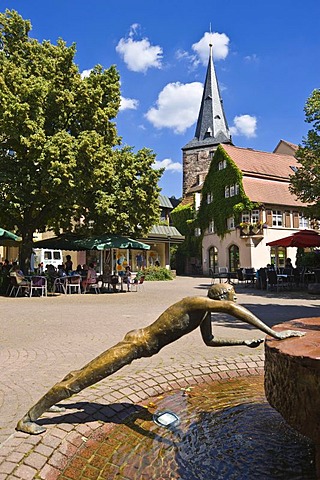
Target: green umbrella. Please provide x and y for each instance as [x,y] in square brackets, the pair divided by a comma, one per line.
[72,241]
[8,239]
[65,241]
[105,241]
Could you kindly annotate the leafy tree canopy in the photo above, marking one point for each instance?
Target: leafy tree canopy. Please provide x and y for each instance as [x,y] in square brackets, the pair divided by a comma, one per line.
[305,183]
[61,160]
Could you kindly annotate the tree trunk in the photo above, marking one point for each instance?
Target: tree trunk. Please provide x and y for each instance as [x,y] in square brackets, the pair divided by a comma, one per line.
[26,252]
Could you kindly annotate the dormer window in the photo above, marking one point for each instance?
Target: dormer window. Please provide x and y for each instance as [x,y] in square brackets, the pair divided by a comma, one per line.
[217,117]
[209,132]
[294,168]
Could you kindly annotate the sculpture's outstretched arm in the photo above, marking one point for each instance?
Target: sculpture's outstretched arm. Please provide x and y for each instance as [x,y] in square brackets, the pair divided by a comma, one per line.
[246,316]
[211,341]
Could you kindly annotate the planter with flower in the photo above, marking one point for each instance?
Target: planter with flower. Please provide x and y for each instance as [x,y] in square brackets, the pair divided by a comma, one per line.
[244,228]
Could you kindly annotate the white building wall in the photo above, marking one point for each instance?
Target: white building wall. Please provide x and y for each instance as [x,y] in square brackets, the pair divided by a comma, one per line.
[253,250]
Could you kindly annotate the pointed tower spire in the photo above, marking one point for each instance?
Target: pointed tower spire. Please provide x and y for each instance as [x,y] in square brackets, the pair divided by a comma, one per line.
[212,127]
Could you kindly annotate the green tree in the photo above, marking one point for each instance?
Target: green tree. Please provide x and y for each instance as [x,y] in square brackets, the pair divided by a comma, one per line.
[61,160]
[305,183]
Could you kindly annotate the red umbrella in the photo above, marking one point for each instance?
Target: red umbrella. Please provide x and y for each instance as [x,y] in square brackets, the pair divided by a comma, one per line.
[302,239]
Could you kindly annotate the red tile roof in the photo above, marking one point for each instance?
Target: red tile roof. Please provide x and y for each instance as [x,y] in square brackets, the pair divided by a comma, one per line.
[265,175]
[261,163]
[270,192]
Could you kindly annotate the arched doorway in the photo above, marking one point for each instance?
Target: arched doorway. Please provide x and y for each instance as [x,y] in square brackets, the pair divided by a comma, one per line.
[234,258]
[213,259]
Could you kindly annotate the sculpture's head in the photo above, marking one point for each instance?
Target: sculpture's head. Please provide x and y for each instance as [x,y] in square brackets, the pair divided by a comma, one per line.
[222,291]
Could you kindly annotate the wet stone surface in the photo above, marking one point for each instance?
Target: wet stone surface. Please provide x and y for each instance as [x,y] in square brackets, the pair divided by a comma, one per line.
[227,431]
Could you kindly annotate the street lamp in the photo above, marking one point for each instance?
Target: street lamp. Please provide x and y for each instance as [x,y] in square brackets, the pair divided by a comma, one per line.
[169,238]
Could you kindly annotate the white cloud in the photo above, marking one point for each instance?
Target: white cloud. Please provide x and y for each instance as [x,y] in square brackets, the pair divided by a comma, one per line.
[168,164]
[252,58]
[177,106]
[139,55]
[245,125]
[220,42]
[86,73]
[128,104]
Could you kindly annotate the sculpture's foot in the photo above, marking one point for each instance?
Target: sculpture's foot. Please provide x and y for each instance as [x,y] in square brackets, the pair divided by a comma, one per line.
[55,408]
[27,426]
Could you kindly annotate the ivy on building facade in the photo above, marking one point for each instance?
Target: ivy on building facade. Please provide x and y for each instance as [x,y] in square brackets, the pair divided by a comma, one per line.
[223,195]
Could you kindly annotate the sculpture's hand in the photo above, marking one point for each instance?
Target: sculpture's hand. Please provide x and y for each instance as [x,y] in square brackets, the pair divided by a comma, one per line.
[253,343]
[289,333]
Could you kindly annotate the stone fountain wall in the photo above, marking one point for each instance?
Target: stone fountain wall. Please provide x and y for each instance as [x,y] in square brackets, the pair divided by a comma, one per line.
[292,378]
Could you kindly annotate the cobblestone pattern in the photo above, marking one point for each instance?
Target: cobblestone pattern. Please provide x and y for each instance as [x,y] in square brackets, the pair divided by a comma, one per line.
[43,339]
[46,456]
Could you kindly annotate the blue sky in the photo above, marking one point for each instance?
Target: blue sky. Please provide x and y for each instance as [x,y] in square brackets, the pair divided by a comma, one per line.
[266,55]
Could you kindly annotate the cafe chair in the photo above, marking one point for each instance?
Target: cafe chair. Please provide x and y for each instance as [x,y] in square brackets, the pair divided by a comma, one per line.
[15,288]
[275,281]
[92,286]
[213,275]
[74,284]
[222,274]
[59,285]
[38,284]
[137,285]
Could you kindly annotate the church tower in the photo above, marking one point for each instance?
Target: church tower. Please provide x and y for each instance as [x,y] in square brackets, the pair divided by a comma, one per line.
[211,130]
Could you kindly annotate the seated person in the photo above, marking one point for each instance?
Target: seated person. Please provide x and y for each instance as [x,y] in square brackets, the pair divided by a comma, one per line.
[18,274]
[288,263]
[51,270]
[61,271]
[79,269]
[91,277]
[127,277]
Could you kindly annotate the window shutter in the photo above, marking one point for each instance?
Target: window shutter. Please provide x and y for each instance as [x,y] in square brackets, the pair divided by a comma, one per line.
[295,219]
[287,220]
[269,218]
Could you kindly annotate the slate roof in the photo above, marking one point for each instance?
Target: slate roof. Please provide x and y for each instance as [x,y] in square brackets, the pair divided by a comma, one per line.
[212,128]
[165,202]
[163,233]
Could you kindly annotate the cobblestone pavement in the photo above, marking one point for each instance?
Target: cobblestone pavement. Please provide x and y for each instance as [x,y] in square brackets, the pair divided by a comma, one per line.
[42,339]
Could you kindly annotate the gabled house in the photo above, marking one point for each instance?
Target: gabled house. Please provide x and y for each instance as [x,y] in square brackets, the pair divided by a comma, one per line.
[246,202]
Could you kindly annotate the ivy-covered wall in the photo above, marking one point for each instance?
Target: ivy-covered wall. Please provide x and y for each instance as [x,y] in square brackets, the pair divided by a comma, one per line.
[183,218]
[221,208]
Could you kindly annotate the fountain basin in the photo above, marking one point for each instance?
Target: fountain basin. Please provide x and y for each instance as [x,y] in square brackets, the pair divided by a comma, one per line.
[292,378]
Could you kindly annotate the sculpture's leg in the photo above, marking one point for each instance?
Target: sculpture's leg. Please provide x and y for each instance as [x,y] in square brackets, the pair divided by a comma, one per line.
[134,345]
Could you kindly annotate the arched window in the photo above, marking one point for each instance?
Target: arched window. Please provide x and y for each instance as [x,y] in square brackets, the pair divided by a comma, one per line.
[233,258]
[213,259]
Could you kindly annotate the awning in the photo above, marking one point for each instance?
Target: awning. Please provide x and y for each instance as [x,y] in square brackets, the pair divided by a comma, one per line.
[105,242]
[72,241]
[301,239]
[8,239]
[65,241]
